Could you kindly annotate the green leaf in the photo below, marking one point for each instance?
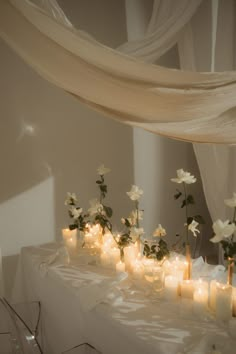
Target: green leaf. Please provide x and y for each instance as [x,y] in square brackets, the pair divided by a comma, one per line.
[103,188]
[108,211]
[190,199]
[73,226]
[199,219]
[189,220]
[127,223]
[178,194]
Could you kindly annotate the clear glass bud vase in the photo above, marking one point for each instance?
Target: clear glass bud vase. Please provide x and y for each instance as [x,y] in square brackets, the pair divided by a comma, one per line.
[188,266]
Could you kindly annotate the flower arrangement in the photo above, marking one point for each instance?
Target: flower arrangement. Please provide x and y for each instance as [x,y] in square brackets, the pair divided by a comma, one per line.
[224,234]
[75,212]
[157,249]
[133,231]
[99,214]
[98,210]
[192,221]
[132,223]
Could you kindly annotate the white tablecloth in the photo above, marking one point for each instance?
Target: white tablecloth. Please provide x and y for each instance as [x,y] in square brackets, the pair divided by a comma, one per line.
[124,320]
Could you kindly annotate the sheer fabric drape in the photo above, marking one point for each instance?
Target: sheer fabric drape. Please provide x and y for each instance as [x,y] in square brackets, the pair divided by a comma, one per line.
[183,105]
[216,163]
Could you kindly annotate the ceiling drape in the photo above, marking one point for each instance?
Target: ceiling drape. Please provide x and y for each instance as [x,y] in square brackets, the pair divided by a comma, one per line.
[183,105]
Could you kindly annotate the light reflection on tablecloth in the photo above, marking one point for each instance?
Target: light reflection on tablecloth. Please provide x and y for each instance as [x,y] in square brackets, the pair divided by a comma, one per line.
[115,314]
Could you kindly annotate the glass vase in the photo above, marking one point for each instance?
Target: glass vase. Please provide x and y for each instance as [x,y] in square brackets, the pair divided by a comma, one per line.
[122,254]
[188,265]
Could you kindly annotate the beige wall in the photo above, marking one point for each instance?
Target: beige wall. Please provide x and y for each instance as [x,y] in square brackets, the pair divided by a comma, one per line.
[50,144]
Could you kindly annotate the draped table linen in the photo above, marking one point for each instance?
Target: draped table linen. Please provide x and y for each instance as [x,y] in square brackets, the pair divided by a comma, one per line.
[88,303]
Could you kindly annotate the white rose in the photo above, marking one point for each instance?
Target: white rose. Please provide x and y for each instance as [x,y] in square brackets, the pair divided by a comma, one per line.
[95,207]
[71,198]
[76,212]
[136,215]
[102,170]
[222,230]
[231,202]
[160,231]
[135,193]
[184,177]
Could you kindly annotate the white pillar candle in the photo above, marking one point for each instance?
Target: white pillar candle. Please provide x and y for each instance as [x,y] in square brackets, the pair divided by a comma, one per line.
[108,240]
[200,298]
[96,231]
[129,256]
[105,259]
[177,269]
[223,302]
[167,266]
[70,238]
[114,255]
[212,301]
[148,265]
[93,236]
[171,287]
[201,284]
[158,278]
[120,267]
[137,269]
[89,239]
[187,289]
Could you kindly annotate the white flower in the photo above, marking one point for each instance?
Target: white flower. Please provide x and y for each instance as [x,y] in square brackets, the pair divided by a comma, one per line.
[102,170]
[134,216]
[131,221]
[222,229]
[135,193]
[139,231]
[122,220]
[159,231]
[231,202]
[76,212]
[193,227]
[95,207]
[71,198]
[136,232]
[184,177]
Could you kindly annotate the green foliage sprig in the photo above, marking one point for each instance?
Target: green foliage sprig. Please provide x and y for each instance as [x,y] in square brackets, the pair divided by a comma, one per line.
[192,221]
[75,212]
[104,212]
[157,250]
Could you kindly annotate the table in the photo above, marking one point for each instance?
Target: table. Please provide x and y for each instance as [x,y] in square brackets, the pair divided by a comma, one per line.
[124,321]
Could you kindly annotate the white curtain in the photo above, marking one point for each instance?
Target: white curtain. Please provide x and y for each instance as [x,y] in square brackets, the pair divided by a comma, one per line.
[184,105]
[166,24]
[216,52]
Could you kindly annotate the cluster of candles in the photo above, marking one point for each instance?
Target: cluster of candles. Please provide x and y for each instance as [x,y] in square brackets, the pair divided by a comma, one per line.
[170,277]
